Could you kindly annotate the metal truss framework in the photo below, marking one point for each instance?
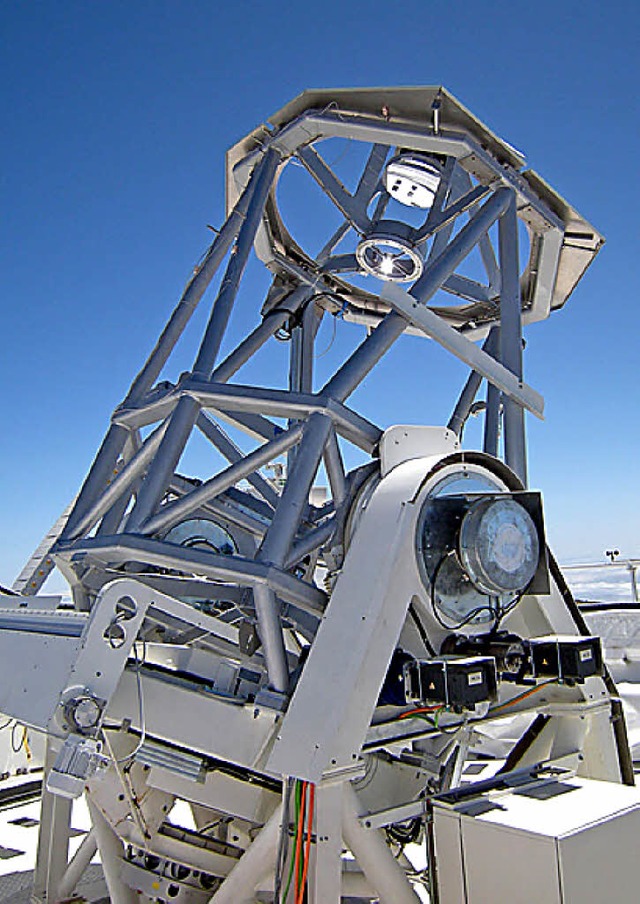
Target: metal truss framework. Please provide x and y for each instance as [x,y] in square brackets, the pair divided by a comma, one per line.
[267,589]
[133,495]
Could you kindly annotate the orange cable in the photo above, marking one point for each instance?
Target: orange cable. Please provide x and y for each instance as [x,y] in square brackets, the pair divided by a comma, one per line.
[420,709]
[299,834]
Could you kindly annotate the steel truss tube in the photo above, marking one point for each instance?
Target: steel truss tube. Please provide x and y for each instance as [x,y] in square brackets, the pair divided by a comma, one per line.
[114,441]
[294,499]
[99,474]
[110,849]
[255,340]
[164,464]
[172,513]
[367,355]
[347,379]
[470,390]
[515,454]
[376,861]
[263,177]
[310,542]
[186,411]
[191,297]
[77,865]
[256,862]
[335,469]
[278,540]
[461,245]
[492,420]
[232,453]
[120,484]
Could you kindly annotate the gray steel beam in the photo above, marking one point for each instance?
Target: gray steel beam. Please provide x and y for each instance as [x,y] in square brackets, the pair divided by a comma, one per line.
[448,215]
[309,542]
[492,420]
[191,297]
[173,512]
[210,346]
[376,861]
[351,374]
[272,322]
[111,855]
[335,469]
[515,453]
[234,454]
[464,349]
[470,390]
[347,379]
[99,475]
[295,495]
[120,484]
[370,178]
[278,540]
[53,837]
[184,416]
[351,209]
[232,400]
[168,454]
[113,443]
[128,548]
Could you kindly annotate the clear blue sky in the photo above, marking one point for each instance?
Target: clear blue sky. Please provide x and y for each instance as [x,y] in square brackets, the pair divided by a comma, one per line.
[116,118]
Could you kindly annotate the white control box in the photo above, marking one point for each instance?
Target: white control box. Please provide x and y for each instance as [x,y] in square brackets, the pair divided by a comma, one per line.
[572,841]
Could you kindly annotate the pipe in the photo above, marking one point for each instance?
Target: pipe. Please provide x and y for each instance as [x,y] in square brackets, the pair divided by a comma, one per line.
[77,865]
[176,511]
[374,857]
[110,850]
[255,863]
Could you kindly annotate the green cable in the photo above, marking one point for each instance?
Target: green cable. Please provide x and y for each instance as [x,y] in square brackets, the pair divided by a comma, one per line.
[301,861]
[298,800]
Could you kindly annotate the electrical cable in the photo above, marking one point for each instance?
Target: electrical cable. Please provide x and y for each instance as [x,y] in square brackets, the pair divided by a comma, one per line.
[22,739]
[143,727]
[421,630]
[300,833]
[6,724]
[520,697]
[295,835]
[283,840]
[307,853]
[432,599]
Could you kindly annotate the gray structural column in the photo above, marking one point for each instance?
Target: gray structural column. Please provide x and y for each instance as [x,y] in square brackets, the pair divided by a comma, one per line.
[492,420]
[347,379]
[301,359]
[279,538]
[110,849]
[470,389]
[256,339]
[335,469]
[515,454]
[53,837]
[256,862]
[77,866]
[186,412]
[216,327]
[98,476]
[375,859]
[129,474]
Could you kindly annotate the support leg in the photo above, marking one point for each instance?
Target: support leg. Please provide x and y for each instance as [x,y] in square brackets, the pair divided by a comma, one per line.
[375,859]
[110,849]
[53,839]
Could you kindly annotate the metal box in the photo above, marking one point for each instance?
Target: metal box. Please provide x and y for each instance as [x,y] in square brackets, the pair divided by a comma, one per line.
[573,841]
